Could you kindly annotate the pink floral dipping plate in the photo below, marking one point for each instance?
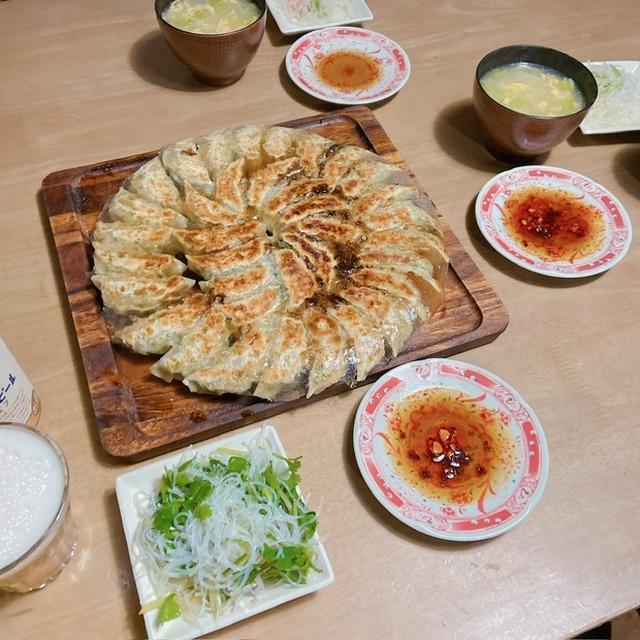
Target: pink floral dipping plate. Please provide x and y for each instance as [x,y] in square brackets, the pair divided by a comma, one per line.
[348,65]
[553,221]
[450,449]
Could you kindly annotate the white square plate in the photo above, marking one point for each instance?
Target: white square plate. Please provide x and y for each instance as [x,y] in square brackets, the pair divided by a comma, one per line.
[359,12]
[145,479]
[631,122]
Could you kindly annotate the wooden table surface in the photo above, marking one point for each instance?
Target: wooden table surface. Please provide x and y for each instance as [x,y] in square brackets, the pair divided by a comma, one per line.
[87,81]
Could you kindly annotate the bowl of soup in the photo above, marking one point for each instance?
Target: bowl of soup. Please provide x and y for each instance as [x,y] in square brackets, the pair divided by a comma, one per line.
[530,98]
[215,39]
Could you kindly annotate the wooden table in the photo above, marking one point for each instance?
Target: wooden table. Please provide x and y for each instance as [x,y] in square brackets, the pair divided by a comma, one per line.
[87,81]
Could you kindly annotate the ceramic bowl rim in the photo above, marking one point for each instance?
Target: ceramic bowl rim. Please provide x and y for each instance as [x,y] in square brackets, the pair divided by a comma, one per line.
[160,17]
[580,113]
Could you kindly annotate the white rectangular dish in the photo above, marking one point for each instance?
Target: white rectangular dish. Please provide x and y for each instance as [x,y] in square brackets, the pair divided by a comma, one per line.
[358,12]
[128,488]
[617,107]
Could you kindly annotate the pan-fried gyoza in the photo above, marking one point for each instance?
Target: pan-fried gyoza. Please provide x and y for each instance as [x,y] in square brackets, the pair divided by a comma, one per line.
[267,261]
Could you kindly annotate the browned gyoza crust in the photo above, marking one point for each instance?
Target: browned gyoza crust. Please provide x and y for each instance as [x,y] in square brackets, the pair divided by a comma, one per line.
[267,261]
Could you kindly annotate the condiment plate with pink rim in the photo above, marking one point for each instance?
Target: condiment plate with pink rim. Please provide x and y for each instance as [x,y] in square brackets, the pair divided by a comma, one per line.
[482,501]
[493,212]
[392,65]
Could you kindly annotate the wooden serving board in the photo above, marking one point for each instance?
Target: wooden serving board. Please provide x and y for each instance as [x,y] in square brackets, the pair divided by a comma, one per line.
[138,415]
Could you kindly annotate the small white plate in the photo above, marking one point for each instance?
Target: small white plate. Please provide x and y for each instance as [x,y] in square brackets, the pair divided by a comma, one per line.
[144,479]
[594,122]
[499,508]
[358,13]
[490,218]
[305,53]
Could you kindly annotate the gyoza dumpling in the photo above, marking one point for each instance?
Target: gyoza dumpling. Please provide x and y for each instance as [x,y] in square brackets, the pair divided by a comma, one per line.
[320,204]
[158,332]
[287,359]
[208,338]
[330,228]
[254,307]
[427,245]
[237,369]
[367,341]
[310,151]
[389,314]
[290,194]
[329,354]
[124,264]
[319,257]
[403,215]
[135,240]
[132,209]
[380,197]
[240,284]
[248,145]
[364,174]
[394,282]
[279,143]
[419,271]
[184,164]
[298,281]
[212,265]
[131,295]
[264,180]
[201,241]
[152,183]
[231,186]
[204,212]
[216,150]
[340,163]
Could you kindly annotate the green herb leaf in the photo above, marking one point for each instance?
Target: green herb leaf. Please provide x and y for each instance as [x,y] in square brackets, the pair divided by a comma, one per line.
[169,609]
[203,511]
[198,491]
[269,553]
[163,518]
[237,464]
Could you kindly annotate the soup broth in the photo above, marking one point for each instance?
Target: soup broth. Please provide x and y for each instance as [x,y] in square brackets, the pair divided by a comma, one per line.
[211,16]
[533,89]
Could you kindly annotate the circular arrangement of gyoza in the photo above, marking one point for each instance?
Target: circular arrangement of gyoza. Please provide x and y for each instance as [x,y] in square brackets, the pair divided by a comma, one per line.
[267,261]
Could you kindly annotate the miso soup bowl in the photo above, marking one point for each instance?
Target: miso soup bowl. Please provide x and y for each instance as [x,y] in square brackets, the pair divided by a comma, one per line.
[513,134]
[217,59]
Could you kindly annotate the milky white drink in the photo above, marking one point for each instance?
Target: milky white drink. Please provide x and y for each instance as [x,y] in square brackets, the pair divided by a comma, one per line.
[18,400]
[37,536]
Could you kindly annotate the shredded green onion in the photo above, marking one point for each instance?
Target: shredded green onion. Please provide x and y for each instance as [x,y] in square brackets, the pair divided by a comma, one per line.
[220,527]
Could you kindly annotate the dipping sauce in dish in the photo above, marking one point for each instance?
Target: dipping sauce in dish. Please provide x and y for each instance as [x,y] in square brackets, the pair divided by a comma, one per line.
[449,446]
[211,16]
[533,89]
[350,70]
[551,223]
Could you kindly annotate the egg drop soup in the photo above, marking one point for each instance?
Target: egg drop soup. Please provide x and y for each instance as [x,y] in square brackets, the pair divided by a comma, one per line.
[211,16]
[533,89]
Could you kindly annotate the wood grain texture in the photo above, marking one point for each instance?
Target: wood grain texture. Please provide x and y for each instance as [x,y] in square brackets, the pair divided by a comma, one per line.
[84,81]
[138,415]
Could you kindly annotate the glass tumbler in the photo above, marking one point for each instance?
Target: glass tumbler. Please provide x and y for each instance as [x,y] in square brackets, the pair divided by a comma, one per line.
[37,536]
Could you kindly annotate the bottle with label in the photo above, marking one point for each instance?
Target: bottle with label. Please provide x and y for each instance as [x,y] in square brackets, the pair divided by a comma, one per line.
[18,400]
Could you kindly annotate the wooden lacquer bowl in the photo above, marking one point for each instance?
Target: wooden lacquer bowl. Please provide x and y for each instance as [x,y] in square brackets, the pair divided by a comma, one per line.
[511,133]
[216,59]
